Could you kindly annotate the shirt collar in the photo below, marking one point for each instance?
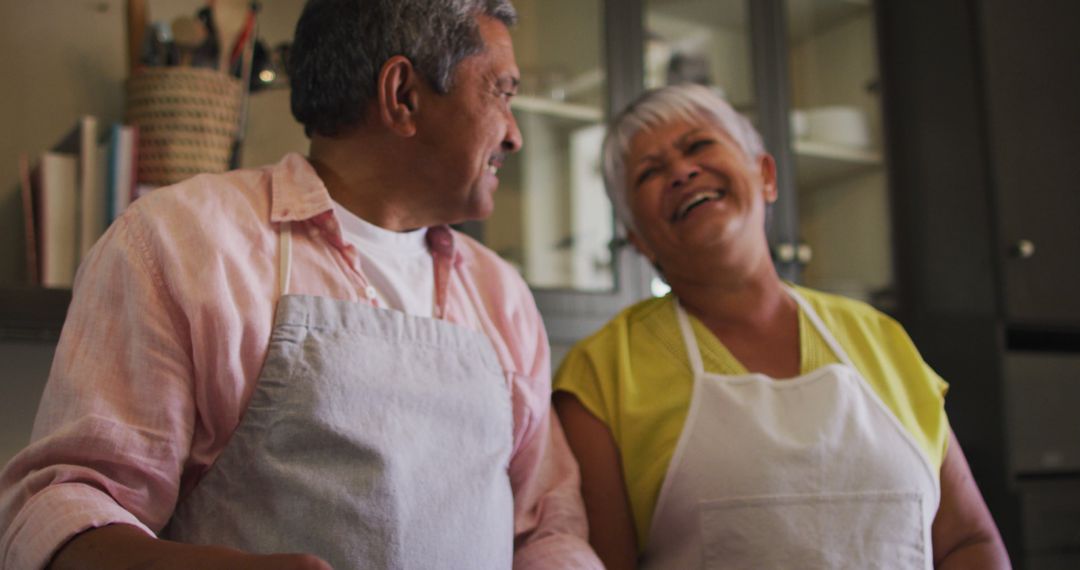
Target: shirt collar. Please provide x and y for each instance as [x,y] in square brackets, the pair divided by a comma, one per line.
[297,192]
[299,195]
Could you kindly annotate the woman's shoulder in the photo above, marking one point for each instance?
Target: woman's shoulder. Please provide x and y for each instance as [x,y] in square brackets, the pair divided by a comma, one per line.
[875,341]
[644,315]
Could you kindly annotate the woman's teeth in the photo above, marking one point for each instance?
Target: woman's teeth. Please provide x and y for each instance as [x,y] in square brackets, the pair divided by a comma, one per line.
[696,199]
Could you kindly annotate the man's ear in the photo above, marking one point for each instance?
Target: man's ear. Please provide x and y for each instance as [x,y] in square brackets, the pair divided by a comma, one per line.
[398,95]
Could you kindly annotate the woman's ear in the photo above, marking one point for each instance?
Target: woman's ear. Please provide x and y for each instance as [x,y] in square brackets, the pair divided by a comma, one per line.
[398,91]
[767,169]
[641,246]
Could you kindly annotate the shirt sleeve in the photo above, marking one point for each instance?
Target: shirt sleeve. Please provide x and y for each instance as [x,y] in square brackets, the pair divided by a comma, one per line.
[550,528]
[115,419]
[577,376]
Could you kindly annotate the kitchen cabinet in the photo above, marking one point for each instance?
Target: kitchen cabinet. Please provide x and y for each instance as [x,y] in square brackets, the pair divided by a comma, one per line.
[979,106]
[805,71]
[552,219]
[69,59]
[952,206]
[1032,121]
[580,61]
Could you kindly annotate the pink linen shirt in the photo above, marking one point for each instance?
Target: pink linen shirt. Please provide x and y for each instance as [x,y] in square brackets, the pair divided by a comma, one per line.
[165,338]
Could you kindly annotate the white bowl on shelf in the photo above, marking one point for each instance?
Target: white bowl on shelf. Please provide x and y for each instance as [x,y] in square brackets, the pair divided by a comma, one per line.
[842,125]
[799,126]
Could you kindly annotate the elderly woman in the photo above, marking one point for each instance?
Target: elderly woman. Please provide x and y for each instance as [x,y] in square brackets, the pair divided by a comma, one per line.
[742,421]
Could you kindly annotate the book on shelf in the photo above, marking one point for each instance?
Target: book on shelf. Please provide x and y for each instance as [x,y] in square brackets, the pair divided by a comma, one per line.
[75,191]
[30,241]
[120,182]
[82,144]
[56,204]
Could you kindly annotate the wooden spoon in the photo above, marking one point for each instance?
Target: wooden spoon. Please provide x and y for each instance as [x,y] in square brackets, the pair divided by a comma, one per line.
[136,33]
[230,18]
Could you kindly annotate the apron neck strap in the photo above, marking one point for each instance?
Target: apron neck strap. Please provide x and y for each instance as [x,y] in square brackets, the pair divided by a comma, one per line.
[694,353]
[284,257]
[822,330]
[692,350]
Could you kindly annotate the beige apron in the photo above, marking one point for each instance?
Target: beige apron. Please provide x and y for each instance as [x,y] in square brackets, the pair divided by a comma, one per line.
[808,472]
[374,439]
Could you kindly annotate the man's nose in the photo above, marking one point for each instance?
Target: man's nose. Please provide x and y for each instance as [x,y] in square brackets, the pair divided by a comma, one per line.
[512,141]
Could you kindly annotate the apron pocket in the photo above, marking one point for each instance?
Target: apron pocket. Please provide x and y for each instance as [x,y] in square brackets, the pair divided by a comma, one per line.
[876,529]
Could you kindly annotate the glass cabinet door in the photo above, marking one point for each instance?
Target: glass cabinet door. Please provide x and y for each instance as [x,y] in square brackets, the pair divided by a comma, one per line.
[835,122]
[701,41]
[552,219]
[805,72]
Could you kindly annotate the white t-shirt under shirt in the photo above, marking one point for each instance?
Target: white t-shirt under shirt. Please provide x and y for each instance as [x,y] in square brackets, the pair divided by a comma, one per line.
[396,264]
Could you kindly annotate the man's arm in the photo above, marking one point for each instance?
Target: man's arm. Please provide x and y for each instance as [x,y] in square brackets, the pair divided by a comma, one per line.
[964,533]
[550,529]
[123,546]
[115,420]
[114,430]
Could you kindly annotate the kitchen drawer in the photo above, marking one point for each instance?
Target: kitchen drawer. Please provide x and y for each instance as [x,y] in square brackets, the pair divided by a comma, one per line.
[1051,515]
[1042,409]
[1053,561]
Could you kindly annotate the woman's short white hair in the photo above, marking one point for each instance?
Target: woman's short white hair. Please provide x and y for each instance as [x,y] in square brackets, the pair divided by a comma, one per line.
[688,102]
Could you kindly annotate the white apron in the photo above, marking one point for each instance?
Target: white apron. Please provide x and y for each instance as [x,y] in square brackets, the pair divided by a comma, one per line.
[374,439]
[808,472]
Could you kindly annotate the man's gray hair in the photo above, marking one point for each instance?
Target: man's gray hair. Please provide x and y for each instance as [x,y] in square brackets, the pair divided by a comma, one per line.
[340,47]
[436,36]
[688,102]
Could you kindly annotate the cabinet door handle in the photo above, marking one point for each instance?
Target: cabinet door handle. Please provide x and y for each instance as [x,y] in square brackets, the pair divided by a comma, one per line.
[1023,249]
[784,252]
[804,253]
[800,252]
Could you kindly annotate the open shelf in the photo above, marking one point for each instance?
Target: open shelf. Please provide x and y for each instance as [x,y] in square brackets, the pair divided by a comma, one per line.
[32,313]
[818,163]
[558,109]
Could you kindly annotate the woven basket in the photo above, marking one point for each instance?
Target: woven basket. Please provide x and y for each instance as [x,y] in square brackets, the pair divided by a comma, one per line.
[188,119]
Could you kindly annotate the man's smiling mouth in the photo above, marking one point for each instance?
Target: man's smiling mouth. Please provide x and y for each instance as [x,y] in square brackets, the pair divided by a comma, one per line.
[494,164]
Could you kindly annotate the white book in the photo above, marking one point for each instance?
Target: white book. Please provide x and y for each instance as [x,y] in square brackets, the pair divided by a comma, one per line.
[58,219]
[92,200]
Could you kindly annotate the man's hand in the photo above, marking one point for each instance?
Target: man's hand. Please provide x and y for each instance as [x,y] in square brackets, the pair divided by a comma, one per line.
[124,546]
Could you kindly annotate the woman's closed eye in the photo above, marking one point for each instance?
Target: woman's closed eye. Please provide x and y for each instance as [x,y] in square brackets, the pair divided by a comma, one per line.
[698,145]
[646,174]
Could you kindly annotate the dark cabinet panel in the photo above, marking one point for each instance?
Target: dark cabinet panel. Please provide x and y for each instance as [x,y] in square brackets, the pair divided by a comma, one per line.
[981,106]
[1030,54]
[1042,392]
[1051,524]
[32,313]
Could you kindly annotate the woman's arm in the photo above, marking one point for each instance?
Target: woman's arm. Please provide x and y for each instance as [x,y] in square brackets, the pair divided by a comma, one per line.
[964,533]
[611,525]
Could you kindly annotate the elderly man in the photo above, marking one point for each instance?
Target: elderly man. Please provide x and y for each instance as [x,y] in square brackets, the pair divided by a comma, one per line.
[303,358]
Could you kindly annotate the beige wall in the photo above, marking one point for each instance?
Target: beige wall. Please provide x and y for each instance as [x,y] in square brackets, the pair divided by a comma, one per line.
[65,58]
